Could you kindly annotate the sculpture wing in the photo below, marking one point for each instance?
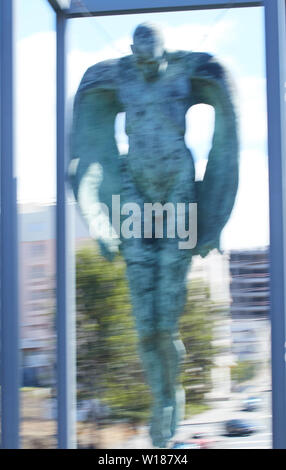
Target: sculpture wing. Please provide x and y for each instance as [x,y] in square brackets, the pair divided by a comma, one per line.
[216,193]
[94,170]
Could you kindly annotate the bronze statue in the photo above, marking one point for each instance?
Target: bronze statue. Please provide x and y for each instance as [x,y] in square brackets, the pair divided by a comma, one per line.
[155,88]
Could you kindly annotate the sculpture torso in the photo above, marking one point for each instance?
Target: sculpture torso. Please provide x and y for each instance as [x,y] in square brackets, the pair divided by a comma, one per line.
[155,125]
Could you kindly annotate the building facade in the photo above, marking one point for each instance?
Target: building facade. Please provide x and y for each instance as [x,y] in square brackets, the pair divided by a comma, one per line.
[37,290]
[250,304]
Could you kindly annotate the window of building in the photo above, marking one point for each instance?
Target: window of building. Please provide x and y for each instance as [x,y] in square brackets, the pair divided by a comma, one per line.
[37,249]
[37,271]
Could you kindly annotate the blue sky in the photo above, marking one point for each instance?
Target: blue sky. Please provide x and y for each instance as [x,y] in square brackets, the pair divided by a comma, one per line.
[33,16]
[235,36]
[250,26]
[36,16]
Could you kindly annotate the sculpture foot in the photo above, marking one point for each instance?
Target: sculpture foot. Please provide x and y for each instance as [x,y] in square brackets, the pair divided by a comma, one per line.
[160,430]
[178,409]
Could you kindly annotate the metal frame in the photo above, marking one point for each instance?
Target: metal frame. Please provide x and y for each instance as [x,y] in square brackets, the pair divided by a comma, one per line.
[275,40]
[275,36]
[10,371]
[65,319]
[113,7]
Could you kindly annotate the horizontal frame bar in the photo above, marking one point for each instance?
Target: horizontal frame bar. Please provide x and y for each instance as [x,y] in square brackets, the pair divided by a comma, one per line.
[113,7]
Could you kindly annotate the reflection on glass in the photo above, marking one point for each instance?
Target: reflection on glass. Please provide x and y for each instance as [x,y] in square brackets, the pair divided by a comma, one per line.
[35,152]
[37,304]
[225,326]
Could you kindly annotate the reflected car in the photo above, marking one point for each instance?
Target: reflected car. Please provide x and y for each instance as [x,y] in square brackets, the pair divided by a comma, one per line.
[238,427]
[185,445]
[203,440]
[251,403]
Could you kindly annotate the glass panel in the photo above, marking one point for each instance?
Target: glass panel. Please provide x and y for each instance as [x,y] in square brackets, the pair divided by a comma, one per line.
[35,147]
[225,327]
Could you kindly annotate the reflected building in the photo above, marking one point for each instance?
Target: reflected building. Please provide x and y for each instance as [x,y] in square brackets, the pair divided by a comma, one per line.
[37,290]
[249,310]
[239,280]
[249,283]
[214,270]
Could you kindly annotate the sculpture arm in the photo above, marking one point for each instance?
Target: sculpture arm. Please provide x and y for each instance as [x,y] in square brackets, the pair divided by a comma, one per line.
[94,166]
[216,194]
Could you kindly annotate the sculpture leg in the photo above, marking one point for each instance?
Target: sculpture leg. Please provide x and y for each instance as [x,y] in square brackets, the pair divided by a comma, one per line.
[172,353]
[173,266]
[142,282]
[156,272]
[150,356]
[141,259]
[170,301]
[162,354]
[141,276]
[158,297]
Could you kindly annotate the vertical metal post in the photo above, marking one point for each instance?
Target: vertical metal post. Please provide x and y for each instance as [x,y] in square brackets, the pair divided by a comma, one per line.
[275,31]
[65,265]
[10,356]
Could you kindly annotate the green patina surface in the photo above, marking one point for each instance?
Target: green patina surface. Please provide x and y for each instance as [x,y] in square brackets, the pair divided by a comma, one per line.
[155,88]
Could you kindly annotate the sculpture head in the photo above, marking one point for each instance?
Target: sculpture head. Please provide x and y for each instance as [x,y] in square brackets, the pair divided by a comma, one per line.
[148,50]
